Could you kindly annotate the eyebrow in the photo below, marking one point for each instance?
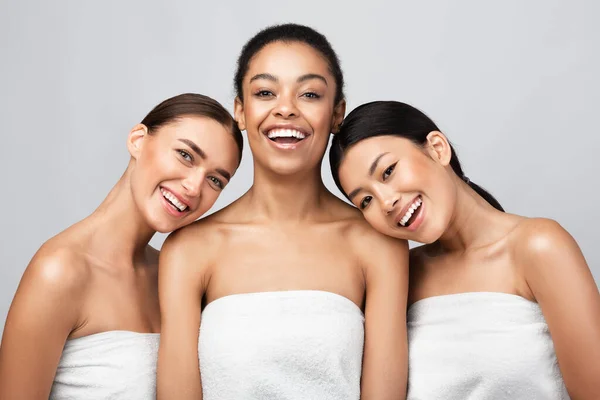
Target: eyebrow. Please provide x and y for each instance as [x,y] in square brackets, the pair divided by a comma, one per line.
[372,169]
[375,162]
[308,77]
[301,79]
[202,155]
[194,147]
[354,193]
[266,76]
[225,174]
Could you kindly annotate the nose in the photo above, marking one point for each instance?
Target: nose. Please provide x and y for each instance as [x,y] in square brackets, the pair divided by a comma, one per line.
[389,205]
[286,106]
[192,184]
[388,199]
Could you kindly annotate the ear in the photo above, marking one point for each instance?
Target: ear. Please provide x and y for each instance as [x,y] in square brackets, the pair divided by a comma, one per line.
[338,116]
[238,112]
[135,140]
[439,147]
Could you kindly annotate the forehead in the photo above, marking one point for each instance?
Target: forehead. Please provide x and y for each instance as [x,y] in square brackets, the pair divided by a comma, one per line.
[358,158]
[364,152]
[288,58]
[211,136]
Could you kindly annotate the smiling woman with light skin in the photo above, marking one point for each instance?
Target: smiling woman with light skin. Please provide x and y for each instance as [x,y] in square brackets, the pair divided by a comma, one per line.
[501,306]
[265,298]
[85,319]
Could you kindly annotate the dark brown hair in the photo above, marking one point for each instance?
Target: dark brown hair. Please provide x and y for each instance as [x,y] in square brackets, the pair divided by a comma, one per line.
[192,104]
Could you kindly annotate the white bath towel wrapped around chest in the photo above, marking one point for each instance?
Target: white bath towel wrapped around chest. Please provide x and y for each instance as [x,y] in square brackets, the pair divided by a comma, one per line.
[480,346]
[114,365]
[281,345]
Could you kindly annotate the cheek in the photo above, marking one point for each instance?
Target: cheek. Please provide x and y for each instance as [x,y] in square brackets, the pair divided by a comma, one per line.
[152,162]
[376,219]
[414,176]
[255,111]
[208,199]
[320,118]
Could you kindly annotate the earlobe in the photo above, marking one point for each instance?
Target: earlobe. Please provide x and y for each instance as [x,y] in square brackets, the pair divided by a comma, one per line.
[238,112]
[439,147]
[135,140]
[338,116]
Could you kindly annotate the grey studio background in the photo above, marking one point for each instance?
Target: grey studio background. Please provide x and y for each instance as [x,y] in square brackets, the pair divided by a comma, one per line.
[514,84]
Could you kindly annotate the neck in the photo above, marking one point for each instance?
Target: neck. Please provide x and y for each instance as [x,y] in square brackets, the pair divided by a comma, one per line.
[296,198]
[118,231]
[472,223]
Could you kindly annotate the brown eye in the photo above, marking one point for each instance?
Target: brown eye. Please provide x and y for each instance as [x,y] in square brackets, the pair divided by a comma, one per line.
[365,202]
[263,93]
[311,95]
[388,171]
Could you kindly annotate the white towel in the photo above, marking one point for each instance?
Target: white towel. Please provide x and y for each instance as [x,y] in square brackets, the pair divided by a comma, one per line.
[113,365]
[286,345]
[481,346]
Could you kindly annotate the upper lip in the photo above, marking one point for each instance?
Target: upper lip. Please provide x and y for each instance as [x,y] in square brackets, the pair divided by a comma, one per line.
[179,197]
[285,126]
[403,211]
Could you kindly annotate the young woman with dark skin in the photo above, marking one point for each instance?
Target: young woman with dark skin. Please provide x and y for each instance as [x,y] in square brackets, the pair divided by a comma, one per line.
[265,298]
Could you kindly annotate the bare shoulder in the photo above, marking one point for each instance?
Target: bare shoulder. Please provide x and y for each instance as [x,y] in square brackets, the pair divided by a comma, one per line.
[189,254]
[373,247]
[52,290]
[540,237]
[546,253]
[200,236]
[57,267]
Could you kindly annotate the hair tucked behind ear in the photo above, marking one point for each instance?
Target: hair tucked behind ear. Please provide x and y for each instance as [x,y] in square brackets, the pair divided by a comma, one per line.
[381,118]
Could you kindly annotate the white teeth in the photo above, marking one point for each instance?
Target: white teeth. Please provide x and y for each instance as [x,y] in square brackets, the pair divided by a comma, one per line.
[173,200]
[413,207]
[277,133]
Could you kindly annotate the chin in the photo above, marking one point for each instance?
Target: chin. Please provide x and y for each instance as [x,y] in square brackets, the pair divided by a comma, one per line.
[163,227]
[428,237]
[288,167]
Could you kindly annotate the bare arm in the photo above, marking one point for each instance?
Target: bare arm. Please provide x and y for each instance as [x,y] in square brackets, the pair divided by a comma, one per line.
[562,284]
[44,311]
[385,359]
[181,285]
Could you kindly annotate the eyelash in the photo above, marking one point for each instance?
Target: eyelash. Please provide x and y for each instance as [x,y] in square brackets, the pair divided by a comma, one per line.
[263,93]
[362,204]
[268,93]
[388,171]
[312,95]
[217,182]
[185,155]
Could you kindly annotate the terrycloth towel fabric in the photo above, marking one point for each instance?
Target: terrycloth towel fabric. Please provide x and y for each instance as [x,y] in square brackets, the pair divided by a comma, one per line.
[113,365]
[480,346]
[286,345]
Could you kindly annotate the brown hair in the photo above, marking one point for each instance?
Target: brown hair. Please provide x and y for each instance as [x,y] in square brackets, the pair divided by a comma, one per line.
[193,104]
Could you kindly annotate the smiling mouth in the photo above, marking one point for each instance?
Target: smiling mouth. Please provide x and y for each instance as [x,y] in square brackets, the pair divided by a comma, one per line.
[411,214]
[286,136]
[173,201]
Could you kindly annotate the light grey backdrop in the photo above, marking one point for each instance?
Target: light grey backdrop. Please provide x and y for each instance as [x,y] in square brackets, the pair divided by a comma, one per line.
[514,84]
